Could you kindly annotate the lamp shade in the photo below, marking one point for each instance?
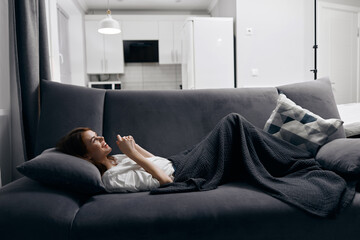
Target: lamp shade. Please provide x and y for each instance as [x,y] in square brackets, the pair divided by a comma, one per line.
[109,25]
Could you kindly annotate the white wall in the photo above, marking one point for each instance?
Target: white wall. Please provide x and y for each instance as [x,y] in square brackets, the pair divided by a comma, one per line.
[223,8]
[281,45]
[5,146]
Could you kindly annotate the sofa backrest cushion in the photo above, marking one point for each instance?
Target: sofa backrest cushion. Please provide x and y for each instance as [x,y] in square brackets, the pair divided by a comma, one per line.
[64,107]
[317,97]
[167,122]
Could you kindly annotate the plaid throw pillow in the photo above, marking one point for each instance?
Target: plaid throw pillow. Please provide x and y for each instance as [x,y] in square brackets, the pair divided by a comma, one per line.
[299,126]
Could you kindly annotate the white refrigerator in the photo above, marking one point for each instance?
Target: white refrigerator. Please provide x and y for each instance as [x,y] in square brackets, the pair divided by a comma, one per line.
[207,53]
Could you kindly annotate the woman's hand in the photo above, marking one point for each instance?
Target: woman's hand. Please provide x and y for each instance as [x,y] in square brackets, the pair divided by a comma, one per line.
[126,145]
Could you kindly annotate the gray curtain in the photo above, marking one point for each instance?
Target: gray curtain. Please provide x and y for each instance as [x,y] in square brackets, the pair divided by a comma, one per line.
[30,62]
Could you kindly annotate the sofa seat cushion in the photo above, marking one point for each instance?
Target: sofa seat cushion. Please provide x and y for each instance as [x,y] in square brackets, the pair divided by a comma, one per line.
[231,211]
[30,210]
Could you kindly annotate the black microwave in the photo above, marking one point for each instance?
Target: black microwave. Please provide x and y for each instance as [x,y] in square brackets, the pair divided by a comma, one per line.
[141,51]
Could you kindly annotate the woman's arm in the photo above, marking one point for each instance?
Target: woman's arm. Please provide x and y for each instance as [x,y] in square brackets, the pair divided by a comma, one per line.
[127,146]
[143,151]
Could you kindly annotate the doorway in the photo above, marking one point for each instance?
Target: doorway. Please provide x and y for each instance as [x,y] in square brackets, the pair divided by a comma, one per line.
[338,52]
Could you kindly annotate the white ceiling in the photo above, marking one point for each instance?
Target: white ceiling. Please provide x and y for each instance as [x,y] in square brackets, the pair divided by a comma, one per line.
[169,5]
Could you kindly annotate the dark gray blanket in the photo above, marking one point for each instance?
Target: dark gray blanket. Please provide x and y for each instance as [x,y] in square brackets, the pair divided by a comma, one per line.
[235,149]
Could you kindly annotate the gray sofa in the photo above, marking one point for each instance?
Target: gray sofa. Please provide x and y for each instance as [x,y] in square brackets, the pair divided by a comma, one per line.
[177,120]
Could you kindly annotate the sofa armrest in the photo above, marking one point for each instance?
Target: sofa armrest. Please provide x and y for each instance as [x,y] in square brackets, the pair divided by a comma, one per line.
[31,210]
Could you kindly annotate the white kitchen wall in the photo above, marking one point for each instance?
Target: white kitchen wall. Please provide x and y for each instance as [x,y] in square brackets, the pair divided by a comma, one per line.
[151,76]
[146,76]
[5,125]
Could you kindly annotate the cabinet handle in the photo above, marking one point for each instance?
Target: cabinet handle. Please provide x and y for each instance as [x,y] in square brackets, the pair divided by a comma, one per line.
[102,65]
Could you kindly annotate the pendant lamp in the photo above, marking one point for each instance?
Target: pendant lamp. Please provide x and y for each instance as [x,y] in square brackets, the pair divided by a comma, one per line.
[109,25]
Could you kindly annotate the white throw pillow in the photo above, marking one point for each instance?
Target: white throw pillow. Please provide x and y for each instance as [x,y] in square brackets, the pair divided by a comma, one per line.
[299,126]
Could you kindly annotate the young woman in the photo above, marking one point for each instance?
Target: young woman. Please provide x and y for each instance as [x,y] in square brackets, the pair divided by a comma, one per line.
[135,170]
[233,149]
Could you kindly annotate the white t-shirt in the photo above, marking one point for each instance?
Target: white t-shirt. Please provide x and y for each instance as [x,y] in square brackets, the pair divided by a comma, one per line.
[128,176]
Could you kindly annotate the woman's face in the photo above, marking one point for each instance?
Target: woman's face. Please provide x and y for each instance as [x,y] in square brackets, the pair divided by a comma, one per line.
[97,148]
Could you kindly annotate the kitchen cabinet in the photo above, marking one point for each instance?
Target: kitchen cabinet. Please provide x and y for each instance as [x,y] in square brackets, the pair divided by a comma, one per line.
[140,30]
[104,53]
[170,42]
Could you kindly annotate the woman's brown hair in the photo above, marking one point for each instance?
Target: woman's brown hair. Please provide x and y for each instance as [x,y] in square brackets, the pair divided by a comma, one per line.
[73,144]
